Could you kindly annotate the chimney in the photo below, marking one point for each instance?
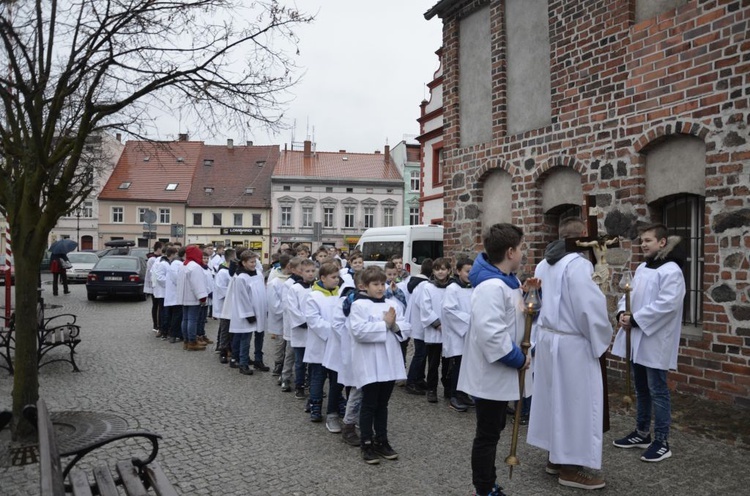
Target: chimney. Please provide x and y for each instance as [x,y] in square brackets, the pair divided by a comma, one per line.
[249,143]
[118,137]
[182,137]
[387,153]
[308,149]
[342,151]
[230,143]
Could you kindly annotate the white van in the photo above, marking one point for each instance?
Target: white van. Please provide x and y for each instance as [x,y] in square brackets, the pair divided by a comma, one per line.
[414,243]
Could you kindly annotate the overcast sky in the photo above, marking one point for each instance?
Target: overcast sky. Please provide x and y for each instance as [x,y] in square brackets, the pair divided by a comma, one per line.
[365,68]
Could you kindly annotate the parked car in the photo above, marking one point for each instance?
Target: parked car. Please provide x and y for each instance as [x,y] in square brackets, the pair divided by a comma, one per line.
[2,271]
[116,247]
[413,243]
[46,259]
[140,252]
[117,275]
[82,263]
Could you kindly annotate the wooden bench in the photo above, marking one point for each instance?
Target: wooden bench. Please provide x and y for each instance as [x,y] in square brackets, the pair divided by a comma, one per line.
[52,332]
[135,477]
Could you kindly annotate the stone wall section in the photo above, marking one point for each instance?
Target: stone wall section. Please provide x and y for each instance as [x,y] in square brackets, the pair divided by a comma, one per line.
[619,87]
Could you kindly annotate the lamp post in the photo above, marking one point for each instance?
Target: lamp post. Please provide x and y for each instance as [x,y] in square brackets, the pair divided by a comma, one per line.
[78,227]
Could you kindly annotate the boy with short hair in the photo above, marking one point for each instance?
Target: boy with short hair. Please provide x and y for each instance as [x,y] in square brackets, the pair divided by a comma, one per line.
[276,292]
[375,325]
[221,284]
[287,370]
[456,317]
[296,300]
[492,355]
[655,323]
[356,264]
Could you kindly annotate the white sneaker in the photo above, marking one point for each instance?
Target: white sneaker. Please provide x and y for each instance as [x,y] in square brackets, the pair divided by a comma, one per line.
[333,423]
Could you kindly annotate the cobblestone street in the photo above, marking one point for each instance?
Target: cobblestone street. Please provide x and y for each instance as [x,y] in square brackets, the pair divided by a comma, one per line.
[224,433]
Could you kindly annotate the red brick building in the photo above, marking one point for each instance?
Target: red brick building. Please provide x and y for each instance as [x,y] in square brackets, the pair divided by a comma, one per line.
[645,104]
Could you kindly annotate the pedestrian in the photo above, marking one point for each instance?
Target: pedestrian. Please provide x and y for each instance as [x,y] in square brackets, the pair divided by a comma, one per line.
[393,290]
[249,308]
[415,377]
[59,265]
[296,300]
[571,333]
[429,305]
[356,264]
[217,258]
[318,314]
[221,284]
[287,371]
[275,294]
[192,294]
[172,299]
[148,285]
[209,275]
[655,323]
[159,280]
[456,318]
[376,327]
[492,355]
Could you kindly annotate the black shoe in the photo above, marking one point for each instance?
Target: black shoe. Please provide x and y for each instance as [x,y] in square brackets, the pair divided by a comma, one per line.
[382,448]
[66,292]
[415,390]
[54,294]
[277,369]
[466,399]
[246,370]
[368,453]
[432,396]
[299,394]
[457,405]
[261,366]
[233,364]
[223,359]
[286,387]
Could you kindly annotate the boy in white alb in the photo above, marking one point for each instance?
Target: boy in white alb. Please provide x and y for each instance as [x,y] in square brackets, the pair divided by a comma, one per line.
[249,308]
[492,355]
[221,284]
[456,317]
[296,300]
[655,323]
[287,370]
[376,328]
[275,293]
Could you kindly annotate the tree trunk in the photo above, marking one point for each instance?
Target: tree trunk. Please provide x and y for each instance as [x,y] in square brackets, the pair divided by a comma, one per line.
[25,379]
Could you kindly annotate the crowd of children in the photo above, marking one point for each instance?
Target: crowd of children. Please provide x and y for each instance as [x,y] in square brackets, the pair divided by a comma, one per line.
[337,321]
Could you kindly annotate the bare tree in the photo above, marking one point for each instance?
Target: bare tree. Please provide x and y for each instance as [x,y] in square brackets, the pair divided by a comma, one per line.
[70,70]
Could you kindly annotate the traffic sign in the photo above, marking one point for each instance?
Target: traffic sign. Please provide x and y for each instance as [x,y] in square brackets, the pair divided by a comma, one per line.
[149,216]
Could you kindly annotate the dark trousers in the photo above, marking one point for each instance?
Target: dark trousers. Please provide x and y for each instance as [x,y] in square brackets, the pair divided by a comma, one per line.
[156,305]
[164,319]
[63,276]
[434,358]
[335,391]
[258,344]
[225,340]
[175,321]
[453,369]
[404,346]
[416,367]
[373,413]
[490,422]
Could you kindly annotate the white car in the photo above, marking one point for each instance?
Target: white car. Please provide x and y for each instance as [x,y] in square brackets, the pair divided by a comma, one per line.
[82,263]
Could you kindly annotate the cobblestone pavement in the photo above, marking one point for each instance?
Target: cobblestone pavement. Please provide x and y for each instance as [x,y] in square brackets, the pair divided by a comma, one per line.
[228,434]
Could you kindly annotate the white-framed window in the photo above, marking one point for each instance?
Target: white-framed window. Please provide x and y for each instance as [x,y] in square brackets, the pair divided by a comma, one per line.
[307,216]
[118,215]
[369,217]
[237,220]
[216,218]
[87,209]
[388,214]
[413,216]
[142,215]
[414,181]
[683,215]
[349,216]
[286,216]
[327,216]
[197,219]
[256,219]
[165,215]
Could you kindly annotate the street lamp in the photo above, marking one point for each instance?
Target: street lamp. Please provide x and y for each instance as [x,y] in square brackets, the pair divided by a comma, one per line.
[78,227]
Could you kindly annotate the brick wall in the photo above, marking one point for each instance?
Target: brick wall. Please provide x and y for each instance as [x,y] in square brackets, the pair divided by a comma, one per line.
[617,88]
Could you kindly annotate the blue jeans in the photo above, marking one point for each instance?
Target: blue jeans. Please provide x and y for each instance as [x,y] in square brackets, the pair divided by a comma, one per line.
[190,315]
[318,375]
[651,392]
[299,368]
[202,316]
[241,347]
[416,368]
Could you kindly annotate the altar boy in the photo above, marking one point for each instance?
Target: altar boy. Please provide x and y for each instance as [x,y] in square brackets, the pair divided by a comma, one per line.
[492,356]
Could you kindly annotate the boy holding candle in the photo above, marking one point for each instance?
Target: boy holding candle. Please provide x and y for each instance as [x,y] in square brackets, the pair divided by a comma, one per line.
[492,355]
[655,322]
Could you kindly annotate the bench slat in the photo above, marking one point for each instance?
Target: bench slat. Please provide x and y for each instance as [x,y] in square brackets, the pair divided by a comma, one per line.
[80,483]
[104,481]
[130,479]
[49,460]
[158,480]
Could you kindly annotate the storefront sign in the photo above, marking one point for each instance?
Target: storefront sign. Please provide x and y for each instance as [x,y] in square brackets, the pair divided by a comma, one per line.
[242,231]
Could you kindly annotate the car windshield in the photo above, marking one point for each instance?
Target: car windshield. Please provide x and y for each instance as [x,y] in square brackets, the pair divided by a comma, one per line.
[83,258]
[111,263]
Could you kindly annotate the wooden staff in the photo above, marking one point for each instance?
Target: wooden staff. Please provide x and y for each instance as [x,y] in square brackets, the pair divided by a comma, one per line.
[532,304]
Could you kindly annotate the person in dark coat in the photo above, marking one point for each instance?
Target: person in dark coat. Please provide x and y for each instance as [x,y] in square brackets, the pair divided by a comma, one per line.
[56,266]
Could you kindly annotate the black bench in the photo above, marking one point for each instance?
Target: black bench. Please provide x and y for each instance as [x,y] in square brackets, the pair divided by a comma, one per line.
[135,477]
[52,332]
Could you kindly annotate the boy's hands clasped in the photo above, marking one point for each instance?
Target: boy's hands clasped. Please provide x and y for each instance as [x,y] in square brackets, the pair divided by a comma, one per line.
[390,318]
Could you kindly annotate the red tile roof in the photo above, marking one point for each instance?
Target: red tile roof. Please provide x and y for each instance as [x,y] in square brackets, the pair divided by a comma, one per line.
[231,172]
[336,165]
[150,167]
